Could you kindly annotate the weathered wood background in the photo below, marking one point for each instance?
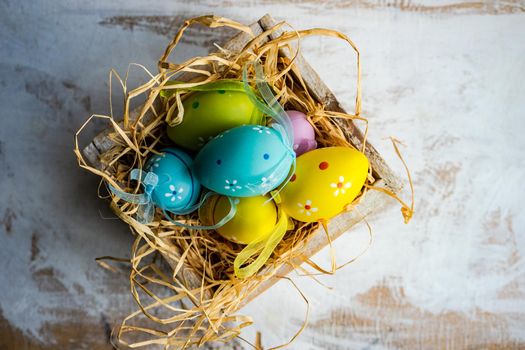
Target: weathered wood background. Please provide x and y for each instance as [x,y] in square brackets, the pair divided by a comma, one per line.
[446,77]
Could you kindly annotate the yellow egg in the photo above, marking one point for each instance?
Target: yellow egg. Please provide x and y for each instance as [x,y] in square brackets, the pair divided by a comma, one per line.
[254,219]
[324,182]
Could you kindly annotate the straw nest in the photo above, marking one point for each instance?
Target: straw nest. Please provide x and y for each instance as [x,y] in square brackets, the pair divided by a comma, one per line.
[173,311]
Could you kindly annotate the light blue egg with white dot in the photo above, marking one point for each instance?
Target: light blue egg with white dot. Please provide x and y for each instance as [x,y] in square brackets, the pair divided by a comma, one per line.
[245,161]
[177,188]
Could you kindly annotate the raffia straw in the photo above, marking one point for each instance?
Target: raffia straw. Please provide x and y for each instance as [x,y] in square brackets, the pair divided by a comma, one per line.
[174,311]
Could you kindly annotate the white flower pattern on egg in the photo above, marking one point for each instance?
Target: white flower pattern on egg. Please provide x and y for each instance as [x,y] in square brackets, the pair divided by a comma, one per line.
[340,186]
[154,162]
[261,129]
[232,185]
[307,208]
[267,181]
[175,193]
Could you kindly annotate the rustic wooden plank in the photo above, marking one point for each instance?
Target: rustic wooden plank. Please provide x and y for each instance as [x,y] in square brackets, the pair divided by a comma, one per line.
[92,154]
[464,244]
[241,39]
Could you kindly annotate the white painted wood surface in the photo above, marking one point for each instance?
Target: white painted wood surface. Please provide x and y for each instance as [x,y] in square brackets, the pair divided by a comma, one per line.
[445,77]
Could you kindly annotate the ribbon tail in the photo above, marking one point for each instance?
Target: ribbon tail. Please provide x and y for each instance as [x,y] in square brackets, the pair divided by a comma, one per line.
[142,198]
[280,116]
[145,213]
[146,209]
[272,108]
[255,100]
[265,247]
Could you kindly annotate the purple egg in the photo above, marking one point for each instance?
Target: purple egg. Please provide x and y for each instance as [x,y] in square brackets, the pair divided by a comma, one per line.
[304,134]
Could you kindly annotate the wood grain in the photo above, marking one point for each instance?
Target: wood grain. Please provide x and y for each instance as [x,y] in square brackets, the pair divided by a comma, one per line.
[382,313]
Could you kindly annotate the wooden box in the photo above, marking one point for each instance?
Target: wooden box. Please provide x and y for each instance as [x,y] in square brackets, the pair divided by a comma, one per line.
[372,202]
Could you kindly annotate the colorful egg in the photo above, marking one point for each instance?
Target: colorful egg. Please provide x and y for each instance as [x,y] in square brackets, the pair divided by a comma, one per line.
[304,134]
[208,113]
[254,219]
[324,182]
[243,162]
[177,188]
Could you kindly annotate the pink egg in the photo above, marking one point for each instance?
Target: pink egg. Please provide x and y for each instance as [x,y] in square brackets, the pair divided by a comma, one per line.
[304,134]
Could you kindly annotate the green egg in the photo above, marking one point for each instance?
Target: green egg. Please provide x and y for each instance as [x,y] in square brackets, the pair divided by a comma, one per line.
[208,113]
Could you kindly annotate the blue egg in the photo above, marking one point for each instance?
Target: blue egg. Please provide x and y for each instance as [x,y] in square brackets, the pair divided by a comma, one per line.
[245,161]
[177,188]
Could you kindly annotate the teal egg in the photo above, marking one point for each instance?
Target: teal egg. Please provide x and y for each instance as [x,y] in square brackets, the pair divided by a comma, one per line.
[245,161]
[177,188]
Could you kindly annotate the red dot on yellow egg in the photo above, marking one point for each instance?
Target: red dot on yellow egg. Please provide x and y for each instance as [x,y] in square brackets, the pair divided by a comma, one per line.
[323,165]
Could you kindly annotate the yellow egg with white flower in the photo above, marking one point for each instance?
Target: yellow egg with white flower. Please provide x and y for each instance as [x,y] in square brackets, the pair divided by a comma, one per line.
[325,181]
